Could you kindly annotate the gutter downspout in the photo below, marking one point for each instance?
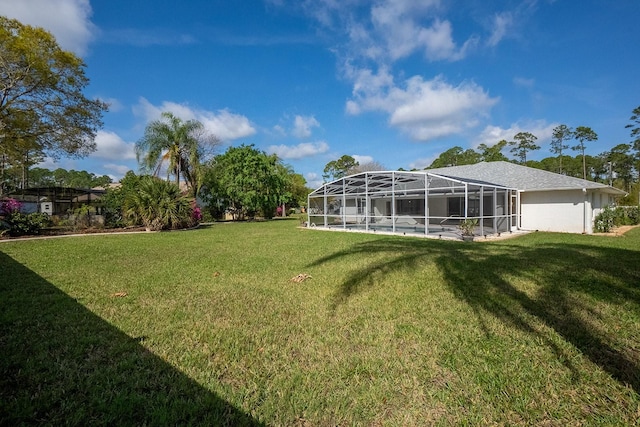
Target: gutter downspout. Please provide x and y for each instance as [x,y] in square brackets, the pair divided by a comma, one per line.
[584,212]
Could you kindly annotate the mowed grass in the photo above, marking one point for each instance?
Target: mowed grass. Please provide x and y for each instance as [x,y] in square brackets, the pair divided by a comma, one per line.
[540,329]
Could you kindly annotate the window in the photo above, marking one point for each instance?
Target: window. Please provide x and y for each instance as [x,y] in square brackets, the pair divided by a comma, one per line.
[455,206]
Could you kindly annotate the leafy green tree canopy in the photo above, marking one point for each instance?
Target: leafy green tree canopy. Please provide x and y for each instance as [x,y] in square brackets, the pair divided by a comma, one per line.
[113,200]
[635,135]
[42,107]
[339,168]
[583,134]
[15,177]
[523,143]
[296,188]
[635,128]
[621,161]
[561,134]
[246,181]
[492,153]
[455,156]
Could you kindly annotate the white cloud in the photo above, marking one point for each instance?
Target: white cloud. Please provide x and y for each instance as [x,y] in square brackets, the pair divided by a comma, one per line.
[313,180]
[306,149]
[391,30]
[362,160]
[114,105]
[494,134]
[279,130]
[49,163]
[396,25]
[68,20]
[367,82]
[226,125]
[120,170]
[424,109]
[223,124]
[327,12]
[524,82]
[302,126]
[438,42]
[111,147]
[145,38]
[502,23]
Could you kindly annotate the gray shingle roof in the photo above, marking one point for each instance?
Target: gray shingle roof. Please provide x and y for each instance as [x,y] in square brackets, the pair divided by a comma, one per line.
[521,177]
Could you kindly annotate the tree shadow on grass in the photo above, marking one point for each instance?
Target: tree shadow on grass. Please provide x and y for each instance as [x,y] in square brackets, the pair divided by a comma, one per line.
[565,284]
[60,364]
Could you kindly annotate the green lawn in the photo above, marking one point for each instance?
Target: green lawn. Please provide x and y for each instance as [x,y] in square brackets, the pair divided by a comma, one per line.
[541,329]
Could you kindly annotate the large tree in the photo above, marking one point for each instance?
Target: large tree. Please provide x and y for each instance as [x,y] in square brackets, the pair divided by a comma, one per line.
[455,156]
[620,161]
[179,145]
[41,177]
[561,134]
[339,168]
[582,134]
[371,166]
[523,143]
[492,153]
[296,187]
[635,137]
[246,182]
[42,105]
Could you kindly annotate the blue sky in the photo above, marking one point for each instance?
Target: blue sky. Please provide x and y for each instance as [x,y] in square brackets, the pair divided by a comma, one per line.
[392,81]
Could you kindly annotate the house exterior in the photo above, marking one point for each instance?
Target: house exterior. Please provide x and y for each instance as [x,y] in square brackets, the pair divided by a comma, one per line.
[547,201]
[498,196]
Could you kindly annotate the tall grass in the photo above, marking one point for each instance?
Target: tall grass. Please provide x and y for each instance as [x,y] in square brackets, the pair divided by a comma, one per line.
[542,329]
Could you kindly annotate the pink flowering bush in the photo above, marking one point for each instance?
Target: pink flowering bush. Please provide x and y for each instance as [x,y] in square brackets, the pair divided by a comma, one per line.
[196,215]
[18,223]
[9,206]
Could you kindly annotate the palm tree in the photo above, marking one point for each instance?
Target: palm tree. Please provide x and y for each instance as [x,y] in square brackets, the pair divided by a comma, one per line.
[175,142]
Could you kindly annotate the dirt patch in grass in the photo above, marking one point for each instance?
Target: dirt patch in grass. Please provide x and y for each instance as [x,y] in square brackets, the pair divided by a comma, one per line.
[619,231]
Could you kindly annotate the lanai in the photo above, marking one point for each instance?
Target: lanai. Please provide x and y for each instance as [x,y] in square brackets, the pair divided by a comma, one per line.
[417,203]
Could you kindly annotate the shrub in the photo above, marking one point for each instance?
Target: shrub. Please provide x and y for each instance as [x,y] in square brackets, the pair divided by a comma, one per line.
[158,205]
[81,217]
[630,215]
[113,201]
[196,214]
[9,206]
[468,226]
[207,215]
[18,223]
[26,224]
[605,220]
[613,217]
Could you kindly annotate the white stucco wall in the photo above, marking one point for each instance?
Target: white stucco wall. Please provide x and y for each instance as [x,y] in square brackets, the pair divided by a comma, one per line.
[563,211]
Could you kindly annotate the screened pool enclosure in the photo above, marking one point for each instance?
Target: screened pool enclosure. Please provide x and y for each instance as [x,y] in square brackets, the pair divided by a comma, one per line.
[412,203]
